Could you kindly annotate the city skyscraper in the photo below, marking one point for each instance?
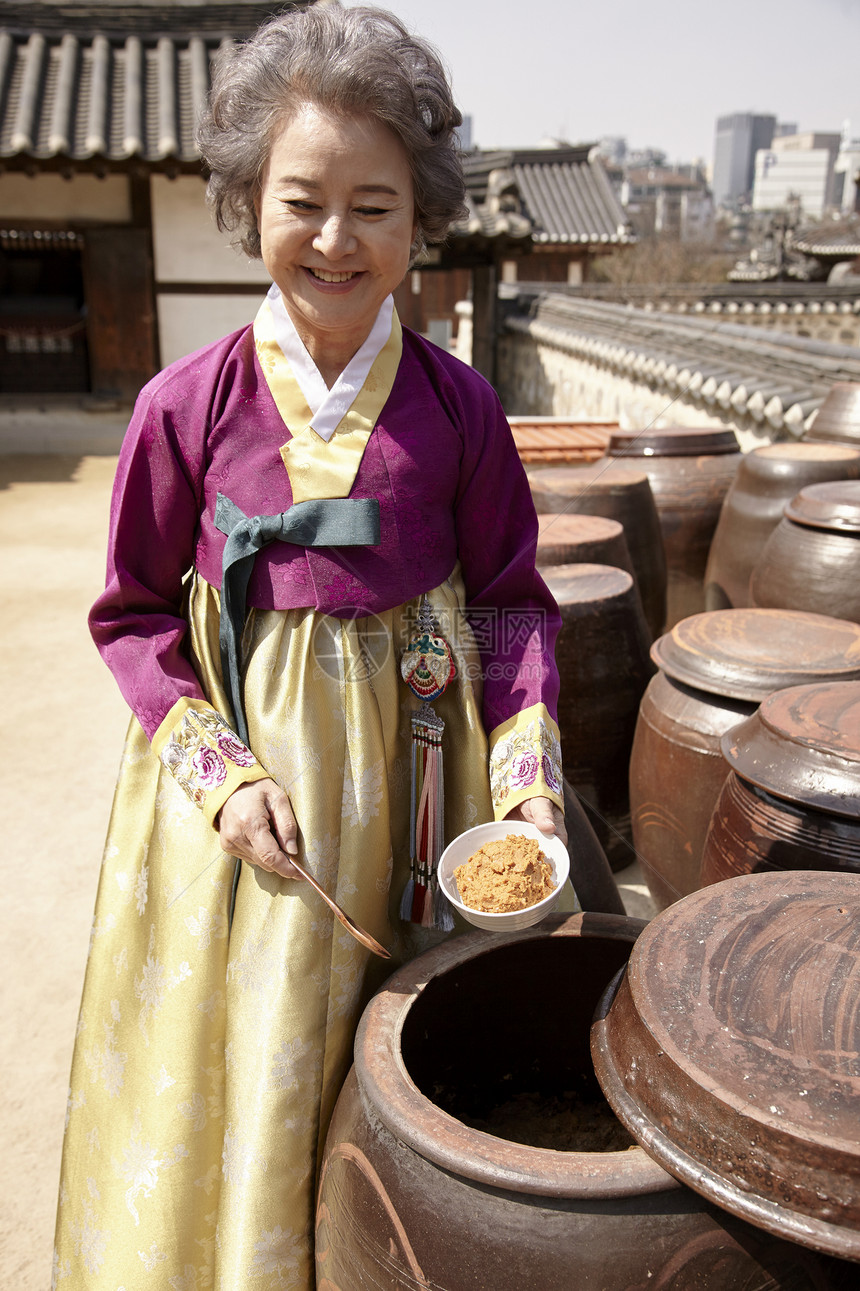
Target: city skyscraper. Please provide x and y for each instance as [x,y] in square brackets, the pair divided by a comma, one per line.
[739,137]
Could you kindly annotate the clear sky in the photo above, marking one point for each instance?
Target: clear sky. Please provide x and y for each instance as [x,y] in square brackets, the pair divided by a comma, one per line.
[658,71]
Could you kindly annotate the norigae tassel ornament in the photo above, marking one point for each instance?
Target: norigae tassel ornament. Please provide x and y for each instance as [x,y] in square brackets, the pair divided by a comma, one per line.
[427,667]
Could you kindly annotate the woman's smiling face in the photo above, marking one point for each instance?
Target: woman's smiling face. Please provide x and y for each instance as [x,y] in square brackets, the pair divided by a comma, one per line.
[336,214]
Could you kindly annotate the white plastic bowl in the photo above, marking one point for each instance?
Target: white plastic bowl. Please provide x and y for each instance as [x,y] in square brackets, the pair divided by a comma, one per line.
[467,844]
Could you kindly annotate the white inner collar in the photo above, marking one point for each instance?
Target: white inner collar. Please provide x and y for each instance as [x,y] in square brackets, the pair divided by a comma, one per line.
[328,407]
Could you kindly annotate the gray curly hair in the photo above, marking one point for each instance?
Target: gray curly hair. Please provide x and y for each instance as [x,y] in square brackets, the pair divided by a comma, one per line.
[360,61]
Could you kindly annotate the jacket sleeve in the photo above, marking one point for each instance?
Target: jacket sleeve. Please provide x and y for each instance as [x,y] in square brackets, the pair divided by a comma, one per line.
[138,623]
[512,612]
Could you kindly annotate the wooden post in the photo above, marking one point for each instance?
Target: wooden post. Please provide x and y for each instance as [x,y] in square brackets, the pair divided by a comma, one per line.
[121,328]
[484,324]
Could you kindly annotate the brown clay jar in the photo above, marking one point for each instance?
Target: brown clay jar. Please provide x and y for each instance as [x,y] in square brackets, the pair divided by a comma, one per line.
[766,481]
[617,493]
[838,418]
[582,540]
[604,667]
[791,799]
[729,1048]
[715,668]
[690,470]
[412,1196]
[755,832]
[812,559]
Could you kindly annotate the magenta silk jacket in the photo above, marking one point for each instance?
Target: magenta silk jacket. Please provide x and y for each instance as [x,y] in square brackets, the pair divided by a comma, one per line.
[441,461]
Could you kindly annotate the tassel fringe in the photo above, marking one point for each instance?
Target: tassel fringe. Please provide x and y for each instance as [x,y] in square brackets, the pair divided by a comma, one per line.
[423,902]
[427,667]
[443,915]
[406,901]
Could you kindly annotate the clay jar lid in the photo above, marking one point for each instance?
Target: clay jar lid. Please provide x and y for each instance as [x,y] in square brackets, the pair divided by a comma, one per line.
[834,505]
[672,441]
[573,537]
[576,528]
[577,481]
[582,589]
[774,467]
[729,1049]
[747,653]
[803,744]
[802,451]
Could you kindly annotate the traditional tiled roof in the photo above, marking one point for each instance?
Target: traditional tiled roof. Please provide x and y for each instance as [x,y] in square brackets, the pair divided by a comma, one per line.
[144,18]
[833,241]
[552,196]
[107,86]
[733,300]
[773,378]
[100,86]
[765,265]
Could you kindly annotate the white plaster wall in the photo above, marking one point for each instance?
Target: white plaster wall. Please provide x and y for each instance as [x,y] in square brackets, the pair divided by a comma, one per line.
[185,323]
[544,381]
[186,244]
[51,198]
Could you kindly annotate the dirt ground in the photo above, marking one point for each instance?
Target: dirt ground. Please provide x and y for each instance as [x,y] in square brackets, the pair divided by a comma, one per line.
[63,722]
[63,726]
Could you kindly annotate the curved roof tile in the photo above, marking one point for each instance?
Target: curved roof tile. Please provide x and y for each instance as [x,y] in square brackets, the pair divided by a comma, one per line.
[564,193]
[766,375]
[111,82]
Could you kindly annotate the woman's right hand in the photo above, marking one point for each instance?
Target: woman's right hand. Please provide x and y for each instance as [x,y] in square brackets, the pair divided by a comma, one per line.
[257,823]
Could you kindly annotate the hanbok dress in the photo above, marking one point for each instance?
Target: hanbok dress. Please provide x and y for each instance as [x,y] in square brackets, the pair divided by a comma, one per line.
[210,1051]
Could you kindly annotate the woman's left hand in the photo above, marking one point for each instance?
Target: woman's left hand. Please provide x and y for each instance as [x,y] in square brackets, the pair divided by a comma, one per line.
[543,813]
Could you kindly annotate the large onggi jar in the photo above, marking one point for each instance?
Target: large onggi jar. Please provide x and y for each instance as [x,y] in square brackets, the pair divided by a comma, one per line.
[766,481]
[690,470]
[414,1196]
[604,667]
[611,490]
[791,798]
[729,1047]
[715,669]
[811,561]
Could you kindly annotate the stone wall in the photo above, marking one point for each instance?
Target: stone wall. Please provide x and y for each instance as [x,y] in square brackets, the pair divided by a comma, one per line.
[838,324]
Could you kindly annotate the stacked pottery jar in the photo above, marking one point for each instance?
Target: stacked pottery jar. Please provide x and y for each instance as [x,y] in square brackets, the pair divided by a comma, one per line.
[791,800]
[690,471]
[604,667]
[574,539]
[616,493]
[811,561]
[766,481]
[715,669]
[594,541]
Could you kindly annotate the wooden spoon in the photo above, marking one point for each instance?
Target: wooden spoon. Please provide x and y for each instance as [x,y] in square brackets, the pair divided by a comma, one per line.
[351,926]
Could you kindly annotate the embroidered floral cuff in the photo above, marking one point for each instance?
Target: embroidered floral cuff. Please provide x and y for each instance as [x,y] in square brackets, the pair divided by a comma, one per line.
[204,756]
[525,761]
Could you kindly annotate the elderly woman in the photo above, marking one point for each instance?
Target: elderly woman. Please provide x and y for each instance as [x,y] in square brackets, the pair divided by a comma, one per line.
[298,508]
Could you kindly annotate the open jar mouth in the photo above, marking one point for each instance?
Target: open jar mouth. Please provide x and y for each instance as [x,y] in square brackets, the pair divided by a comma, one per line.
[487,1026]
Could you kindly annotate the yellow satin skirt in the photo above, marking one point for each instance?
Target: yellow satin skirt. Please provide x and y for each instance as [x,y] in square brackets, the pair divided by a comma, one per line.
[208,1058]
